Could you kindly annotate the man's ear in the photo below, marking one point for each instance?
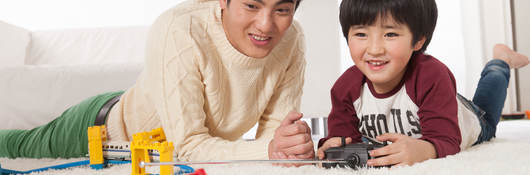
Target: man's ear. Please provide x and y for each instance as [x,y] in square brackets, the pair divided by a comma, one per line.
[419,44]
[223,4]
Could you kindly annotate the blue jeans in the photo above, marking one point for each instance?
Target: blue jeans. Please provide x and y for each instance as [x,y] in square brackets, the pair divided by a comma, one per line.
[489,97]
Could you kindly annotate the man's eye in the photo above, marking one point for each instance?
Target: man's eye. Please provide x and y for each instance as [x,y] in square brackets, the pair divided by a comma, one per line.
[391,35]
[284,11]
[250,6]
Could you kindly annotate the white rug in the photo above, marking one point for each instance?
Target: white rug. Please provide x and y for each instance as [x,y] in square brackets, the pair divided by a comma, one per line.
[503,155]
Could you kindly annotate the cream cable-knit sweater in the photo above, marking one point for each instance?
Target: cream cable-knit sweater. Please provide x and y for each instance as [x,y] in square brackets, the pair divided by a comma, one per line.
[204,93]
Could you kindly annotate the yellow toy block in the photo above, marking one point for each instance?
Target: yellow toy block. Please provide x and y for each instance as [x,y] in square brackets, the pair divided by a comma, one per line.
[153,140]
[96,136]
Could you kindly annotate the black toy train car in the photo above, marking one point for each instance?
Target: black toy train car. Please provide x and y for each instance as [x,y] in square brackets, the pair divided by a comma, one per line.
[355,154]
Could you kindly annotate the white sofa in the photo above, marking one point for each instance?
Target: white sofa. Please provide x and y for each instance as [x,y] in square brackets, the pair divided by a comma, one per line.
[42,73]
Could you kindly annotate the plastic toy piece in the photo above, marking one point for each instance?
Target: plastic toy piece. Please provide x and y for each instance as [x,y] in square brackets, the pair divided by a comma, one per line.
[184,169]
[56,167]
[96,136]
[142,143]
[355,154]
[198,172]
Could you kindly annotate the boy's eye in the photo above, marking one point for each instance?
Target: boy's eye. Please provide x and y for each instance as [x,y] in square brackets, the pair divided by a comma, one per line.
[391,34]
[360,34]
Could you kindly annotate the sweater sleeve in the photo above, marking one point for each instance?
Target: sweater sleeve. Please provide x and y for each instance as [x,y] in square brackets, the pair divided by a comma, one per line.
[174,77]
[287,96]
[438,111]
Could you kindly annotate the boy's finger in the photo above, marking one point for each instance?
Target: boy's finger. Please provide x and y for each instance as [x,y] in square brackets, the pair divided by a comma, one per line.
[384,161]
[393,137]
[383,151]
[320,154]
[348,140]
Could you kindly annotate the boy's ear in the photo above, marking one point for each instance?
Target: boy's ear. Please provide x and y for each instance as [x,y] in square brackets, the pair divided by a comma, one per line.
[419,44]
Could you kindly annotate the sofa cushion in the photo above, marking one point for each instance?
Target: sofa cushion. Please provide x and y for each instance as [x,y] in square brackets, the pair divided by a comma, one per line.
[13,44]
[35,95]
[88,46]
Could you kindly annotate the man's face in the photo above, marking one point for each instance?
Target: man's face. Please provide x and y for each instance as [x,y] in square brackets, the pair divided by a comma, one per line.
[254,27]
[382,51]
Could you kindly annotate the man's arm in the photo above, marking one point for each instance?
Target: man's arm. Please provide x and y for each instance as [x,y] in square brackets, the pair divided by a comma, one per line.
[280,120]
[176,89]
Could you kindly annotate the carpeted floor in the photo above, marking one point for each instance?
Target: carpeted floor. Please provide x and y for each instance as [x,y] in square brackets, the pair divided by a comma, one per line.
[509,153]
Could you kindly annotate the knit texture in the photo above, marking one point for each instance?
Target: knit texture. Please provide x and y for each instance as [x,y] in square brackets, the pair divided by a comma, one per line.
[204,93]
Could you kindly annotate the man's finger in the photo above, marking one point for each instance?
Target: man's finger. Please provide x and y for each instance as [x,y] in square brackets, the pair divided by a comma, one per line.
[290,141]
[299,149]
[308,155]
[306,126]
[291,118]
[293,129]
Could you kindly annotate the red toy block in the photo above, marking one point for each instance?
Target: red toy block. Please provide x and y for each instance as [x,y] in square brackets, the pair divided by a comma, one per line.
[199,171]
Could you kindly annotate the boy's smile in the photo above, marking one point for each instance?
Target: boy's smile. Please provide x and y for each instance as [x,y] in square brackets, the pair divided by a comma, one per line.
[382,51]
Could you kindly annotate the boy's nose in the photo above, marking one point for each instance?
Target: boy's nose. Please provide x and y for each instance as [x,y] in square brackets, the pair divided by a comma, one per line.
[264,22]
[376,47]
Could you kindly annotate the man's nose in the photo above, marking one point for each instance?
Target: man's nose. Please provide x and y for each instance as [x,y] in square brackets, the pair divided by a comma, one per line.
[265,22]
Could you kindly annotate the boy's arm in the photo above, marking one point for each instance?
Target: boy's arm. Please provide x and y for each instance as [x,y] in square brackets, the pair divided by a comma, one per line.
[438,112]
[343,120]
[433,89]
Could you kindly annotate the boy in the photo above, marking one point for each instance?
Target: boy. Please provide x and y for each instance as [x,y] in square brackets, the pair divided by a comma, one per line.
[396,93]
[214,68]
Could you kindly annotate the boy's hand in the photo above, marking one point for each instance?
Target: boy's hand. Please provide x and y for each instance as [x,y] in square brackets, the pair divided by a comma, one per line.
[331,142]
[404,150]
[292,140]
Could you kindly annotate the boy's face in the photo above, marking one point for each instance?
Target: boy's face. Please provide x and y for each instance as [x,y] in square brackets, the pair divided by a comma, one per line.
[382,51]
[254,27]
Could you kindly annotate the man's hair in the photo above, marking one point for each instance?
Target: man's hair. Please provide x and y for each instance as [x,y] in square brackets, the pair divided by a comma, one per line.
[419,15]
[297,2]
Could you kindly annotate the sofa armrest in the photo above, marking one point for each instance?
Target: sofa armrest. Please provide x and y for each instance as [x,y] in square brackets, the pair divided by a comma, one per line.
[35,95]
[14,44]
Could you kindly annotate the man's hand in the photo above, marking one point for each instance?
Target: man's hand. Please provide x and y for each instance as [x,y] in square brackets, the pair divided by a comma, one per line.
[331,142]
[404,150]
[292,140]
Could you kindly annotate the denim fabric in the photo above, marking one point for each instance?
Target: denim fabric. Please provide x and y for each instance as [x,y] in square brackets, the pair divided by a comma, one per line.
[489,97]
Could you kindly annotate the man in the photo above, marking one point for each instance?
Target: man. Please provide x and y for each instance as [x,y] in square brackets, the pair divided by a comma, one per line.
[213,70]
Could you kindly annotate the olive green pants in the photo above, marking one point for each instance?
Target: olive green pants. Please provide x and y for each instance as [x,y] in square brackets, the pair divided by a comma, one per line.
[64,137]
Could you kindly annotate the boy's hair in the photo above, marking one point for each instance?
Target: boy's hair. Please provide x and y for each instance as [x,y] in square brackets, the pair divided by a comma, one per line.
[419,15]
[297,2]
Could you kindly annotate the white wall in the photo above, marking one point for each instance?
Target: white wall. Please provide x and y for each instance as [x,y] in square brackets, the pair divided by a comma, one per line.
[447,43]
[53,14]
[320,21]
